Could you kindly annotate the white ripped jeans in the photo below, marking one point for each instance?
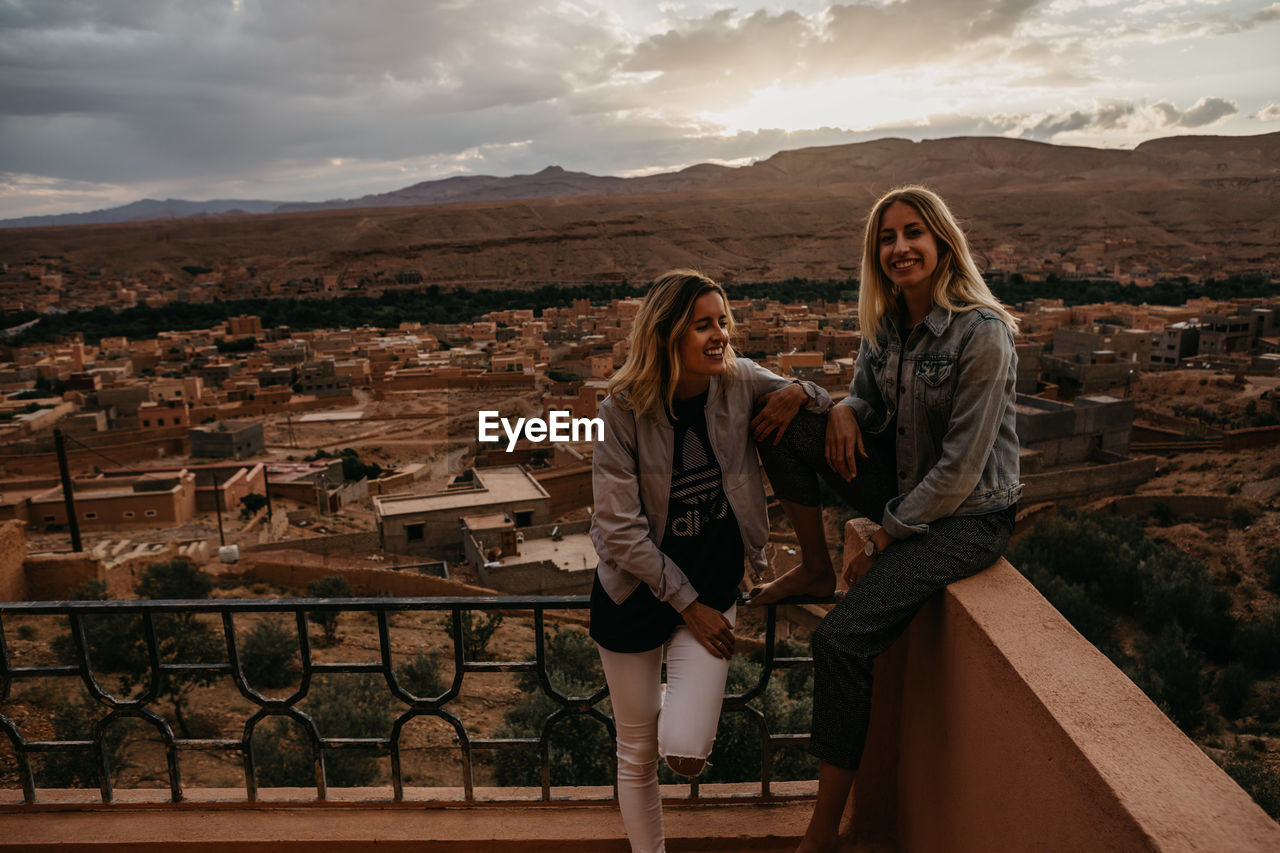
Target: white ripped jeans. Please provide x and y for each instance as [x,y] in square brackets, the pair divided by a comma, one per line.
[678,722]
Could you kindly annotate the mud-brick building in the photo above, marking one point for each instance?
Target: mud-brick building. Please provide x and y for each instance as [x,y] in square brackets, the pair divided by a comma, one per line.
[228,440]
[155,498]
[409,524]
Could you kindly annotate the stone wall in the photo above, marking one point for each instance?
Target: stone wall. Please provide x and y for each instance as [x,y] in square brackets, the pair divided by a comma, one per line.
[13,549]
[296,576]
[1087,480]
[53,577]
[540,578]
[569,488]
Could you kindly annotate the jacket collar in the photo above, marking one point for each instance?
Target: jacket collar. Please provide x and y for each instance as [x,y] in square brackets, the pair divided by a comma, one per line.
[938,319]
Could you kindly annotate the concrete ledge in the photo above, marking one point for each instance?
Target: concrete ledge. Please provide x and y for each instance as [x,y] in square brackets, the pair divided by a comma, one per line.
[1017,734]
[356,820]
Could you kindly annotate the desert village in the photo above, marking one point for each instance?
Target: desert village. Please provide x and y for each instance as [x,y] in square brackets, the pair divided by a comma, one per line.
[276,460]
[229,444]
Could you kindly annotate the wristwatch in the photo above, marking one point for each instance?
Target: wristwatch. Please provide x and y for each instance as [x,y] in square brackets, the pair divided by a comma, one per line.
[871,549]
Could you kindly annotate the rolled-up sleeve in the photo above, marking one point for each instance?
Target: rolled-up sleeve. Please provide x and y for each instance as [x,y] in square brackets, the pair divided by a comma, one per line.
[763,381]
[619,527]
[984,388]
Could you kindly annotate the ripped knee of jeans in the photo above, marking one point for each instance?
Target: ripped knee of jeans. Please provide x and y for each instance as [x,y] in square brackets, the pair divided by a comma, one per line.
[685,765]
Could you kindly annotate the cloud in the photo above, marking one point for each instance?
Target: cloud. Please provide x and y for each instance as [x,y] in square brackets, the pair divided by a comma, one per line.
[1207,111]
[1271,112]
[211,99]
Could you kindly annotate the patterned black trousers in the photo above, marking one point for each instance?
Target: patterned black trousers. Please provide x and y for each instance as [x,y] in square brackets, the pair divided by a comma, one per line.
[880,606]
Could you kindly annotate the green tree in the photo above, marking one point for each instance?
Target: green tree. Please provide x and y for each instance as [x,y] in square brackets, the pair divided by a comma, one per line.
[269,654]
[342,705]
[117,642]
[420,675]
[75,720]
[580,749]
[477,631]
[332,586]
[250,504]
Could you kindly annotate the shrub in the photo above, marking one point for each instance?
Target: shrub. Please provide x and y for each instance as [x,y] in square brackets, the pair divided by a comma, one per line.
[1255,776]
[420,675]
[1242,513]
[269,654]
[174,579]
[344,705]
[1179,590]
[1258,642]
[580,749]
[1170,674]
[477,631]
[75,720]
[332,586]
[1162,513]
[1271,564]
[1232,689]
[250,504]
[117,643]
[736,754]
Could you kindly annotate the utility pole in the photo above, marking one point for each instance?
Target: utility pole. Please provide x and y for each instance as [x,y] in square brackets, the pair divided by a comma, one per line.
[68,498]
[217,502]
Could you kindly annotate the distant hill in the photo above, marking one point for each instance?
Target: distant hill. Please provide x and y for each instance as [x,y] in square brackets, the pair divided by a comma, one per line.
[1205,203]
[929,160]
[148,208]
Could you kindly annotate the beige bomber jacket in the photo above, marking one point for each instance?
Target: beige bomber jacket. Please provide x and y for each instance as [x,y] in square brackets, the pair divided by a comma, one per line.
[631,482]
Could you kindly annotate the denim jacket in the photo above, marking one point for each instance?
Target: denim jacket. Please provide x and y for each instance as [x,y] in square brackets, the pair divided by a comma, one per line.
[631,482]
[951,387]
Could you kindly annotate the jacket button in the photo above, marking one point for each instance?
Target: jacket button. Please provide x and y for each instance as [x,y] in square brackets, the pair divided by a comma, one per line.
[902,430]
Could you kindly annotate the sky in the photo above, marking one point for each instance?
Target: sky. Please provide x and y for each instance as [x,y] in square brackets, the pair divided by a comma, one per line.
[104,102]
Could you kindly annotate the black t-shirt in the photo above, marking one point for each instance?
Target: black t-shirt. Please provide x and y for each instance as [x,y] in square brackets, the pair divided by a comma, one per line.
[701,537]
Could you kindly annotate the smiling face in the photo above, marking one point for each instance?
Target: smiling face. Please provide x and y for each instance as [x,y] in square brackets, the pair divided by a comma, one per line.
[702,346]
[908,248]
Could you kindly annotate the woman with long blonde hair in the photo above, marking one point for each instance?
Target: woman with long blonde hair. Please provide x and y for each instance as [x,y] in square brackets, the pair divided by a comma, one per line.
[924,443]
[679,506]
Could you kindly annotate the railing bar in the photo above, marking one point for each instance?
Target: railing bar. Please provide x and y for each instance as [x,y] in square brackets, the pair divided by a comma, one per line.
[6,670]
[40,671]
[76,613]
[384,650]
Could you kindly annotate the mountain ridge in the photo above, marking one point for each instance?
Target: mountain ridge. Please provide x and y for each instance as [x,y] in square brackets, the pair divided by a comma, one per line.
[857,161]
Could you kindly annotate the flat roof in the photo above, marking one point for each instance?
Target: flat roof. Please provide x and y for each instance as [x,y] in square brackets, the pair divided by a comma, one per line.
[500,485]
[573,553]
[488,521]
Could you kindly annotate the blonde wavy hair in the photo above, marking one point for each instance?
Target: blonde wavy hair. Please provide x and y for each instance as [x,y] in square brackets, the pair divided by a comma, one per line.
[957,284]
[647,380]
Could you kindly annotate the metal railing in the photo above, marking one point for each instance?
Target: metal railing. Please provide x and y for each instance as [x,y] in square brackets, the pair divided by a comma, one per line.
[286,706]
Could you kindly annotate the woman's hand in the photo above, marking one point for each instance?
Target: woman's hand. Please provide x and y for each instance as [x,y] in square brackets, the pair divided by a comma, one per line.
[861,563]
[780,408]
[710,628]
[844,442]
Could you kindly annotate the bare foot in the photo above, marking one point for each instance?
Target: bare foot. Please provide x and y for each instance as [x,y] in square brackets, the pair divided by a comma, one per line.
[802,580]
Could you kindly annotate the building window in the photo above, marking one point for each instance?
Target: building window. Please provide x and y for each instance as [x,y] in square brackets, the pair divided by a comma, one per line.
[50,519]
[146,423]
[525,518]
[415,532]
[128,513]
[150,513]
[90,516]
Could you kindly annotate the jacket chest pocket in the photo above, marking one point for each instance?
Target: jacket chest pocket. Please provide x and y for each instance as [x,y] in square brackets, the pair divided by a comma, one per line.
[935,383]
